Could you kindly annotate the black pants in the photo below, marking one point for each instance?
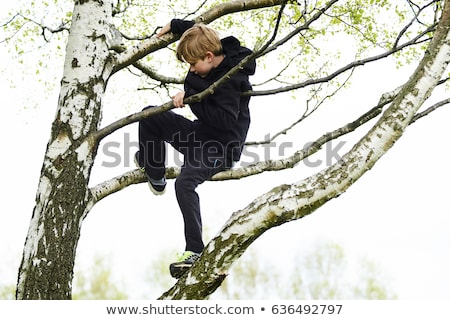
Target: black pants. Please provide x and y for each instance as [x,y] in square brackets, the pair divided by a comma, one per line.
[202,159]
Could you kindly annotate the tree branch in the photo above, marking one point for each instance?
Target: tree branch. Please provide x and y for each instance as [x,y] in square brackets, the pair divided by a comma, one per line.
[416,15]
[156,76]
[430,109]
[62,27]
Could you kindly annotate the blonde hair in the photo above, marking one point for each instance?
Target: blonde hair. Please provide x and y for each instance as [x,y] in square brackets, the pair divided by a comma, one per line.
[196,41]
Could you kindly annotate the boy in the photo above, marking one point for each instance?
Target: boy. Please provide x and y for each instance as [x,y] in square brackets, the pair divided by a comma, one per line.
[209,144]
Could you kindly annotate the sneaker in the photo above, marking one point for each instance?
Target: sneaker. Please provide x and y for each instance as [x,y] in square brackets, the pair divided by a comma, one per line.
[185,261]
[157,186]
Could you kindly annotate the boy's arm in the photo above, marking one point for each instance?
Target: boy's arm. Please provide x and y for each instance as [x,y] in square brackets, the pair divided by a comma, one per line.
[178,99]
[177,26]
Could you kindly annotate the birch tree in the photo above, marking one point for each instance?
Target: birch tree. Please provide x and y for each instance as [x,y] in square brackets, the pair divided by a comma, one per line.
[97,49]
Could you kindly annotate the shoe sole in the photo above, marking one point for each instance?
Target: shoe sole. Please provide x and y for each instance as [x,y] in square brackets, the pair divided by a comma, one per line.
[177,271]
[152,189]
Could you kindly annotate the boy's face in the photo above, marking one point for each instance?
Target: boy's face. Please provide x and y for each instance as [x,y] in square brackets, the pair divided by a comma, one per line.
[202,67]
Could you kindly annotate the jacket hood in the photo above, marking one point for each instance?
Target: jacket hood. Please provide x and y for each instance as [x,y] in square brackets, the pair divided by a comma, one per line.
[234,53]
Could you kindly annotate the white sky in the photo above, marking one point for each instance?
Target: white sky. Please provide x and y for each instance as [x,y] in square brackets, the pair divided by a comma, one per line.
[396,215]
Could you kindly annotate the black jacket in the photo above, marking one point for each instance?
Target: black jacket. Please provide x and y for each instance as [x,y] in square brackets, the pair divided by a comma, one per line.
[223,115]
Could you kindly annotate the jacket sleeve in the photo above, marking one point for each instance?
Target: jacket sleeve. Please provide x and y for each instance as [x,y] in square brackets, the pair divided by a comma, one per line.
[179,26]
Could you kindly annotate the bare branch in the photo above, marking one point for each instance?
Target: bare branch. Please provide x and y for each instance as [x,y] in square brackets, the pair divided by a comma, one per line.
[17,31]
[275,77]
[10,20]
[196,10]
[62,27]
[430,109]
[416,15]
[156,76]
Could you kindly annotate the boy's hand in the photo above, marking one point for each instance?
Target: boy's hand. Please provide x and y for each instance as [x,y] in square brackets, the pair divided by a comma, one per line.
[178,99]
[163,30]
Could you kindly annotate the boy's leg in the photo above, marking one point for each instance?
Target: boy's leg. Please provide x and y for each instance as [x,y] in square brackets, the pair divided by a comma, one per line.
[190,177]
[189,203]
[193,173]
[153,133]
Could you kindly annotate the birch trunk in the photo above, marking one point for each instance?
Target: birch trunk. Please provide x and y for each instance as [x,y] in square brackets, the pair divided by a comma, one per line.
[291,202]
[63,197]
